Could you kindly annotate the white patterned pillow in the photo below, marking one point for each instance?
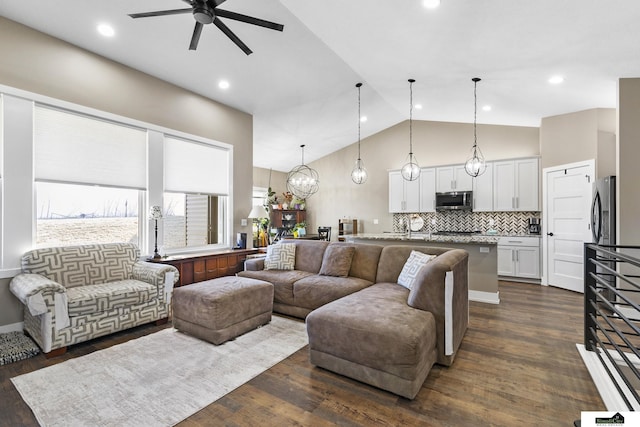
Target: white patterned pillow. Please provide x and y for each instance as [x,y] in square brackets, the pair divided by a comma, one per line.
[412,268]
[281,256]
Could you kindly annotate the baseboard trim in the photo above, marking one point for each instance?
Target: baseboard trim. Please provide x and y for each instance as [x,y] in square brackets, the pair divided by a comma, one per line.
[12,327]
[485,297]
[607,389]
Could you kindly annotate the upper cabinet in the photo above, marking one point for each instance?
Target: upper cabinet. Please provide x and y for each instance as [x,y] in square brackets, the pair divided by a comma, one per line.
[515,185]
[428,190]
[453,178]
[404,196]
[483,190]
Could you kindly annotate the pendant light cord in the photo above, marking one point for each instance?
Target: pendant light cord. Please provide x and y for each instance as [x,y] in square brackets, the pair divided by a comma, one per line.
[359,118]
[475,112]
[411,116]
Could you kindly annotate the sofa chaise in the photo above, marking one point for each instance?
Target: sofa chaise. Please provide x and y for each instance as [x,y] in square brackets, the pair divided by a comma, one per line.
[364,324]
[76,293]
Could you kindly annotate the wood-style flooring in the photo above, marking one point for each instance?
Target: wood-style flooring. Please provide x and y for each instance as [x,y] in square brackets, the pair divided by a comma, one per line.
[518,366]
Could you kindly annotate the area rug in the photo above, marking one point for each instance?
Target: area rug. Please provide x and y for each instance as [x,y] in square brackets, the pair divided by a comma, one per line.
[16,346]
[156,380]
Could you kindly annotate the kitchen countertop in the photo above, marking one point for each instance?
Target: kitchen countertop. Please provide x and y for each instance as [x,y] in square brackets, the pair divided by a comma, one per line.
[427,237]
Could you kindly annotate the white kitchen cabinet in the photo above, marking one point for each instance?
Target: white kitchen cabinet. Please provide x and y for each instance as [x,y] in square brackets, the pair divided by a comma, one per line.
[519,257]
[427,190]
[404,196]
[453,178]
[483,190]
[515,185]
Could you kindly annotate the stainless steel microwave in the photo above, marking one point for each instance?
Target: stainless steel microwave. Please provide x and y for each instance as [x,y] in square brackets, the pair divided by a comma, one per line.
[454,200]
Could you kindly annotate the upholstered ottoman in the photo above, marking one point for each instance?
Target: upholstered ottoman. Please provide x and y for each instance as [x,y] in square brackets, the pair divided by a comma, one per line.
[373,336]
[221,309]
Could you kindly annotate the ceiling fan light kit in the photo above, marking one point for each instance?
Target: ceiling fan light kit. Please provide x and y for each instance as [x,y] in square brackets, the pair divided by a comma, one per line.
[206,12]
[476,165]
[359,172]
[411,170]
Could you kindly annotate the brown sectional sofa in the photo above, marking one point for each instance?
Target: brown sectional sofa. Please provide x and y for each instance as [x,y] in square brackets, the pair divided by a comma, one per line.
[368,327]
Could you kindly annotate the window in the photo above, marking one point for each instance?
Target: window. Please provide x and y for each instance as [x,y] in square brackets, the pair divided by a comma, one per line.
[90,179]
[69,214]
[194,220]
[196,207]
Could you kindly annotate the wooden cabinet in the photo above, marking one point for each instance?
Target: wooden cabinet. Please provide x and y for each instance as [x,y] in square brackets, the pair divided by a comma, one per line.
[519,257]
[515,185]
[286,218]
[404,196]
[428,190]
[199,267]
[483,190]
[453,178]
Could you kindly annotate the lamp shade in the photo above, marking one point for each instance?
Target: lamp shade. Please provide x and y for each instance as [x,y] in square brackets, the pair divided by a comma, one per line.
[155,212]
[257,212]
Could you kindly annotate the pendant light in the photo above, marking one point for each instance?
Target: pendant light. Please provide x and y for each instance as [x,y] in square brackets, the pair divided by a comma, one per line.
[411,170]
[359,172]
[302,181]
[476,165]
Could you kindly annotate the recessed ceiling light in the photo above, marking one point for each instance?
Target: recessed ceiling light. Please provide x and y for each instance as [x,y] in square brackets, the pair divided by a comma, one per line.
[106,30]
[418,106]
[556,80]
[486,108]
[363,119]
[223,84]
[431,4]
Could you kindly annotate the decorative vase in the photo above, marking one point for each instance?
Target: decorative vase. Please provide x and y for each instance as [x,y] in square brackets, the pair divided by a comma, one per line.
[285,206]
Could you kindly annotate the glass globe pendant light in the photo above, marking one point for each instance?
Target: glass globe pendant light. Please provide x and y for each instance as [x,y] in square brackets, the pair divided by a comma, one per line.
[359,172]
[411,170]
[476,165]
[302,181]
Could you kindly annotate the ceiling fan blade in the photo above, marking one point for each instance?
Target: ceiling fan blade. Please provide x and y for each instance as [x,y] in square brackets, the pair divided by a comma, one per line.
[249,19]
[215,3]
[197,30]
[232,36]
[160,13]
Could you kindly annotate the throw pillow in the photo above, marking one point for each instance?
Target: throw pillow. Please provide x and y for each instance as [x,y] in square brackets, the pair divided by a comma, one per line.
[412,268]
[337,260]
[280,257]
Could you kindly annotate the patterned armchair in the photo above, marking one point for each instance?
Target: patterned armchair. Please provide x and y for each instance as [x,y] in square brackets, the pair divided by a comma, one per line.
[77,293]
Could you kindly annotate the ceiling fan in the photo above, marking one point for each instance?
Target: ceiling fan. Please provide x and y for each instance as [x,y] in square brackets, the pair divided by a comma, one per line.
[207,12]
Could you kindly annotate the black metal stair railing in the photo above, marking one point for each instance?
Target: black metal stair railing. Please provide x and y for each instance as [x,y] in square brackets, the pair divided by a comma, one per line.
[612,315]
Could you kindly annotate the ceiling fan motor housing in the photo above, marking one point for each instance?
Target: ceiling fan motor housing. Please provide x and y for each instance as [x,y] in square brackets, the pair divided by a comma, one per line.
[203,14]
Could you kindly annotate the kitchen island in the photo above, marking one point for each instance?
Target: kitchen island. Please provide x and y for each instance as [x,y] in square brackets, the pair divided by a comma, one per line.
[483,259]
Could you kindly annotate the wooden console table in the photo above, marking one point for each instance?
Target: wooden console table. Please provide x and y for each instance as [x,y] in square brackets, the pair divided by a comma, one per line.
[205,266]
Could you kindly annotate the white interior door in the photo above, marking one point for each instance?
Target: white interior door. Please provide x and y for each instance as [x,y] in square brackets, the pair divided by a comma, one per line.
[566,225]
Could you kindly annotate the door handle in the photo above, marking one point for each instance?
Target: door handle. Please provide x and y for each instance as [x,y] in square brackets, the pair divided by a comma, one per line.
[550,234]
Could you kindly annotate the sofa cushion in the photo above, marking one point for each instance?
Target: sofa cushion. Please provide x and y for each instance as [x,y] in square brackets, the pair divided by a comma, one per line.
[315,291]
[337,260]
[376,328]
[393,257]
[364,264]
[83,300]
[282,281]
[82,265]
[309,254]
[415,263]
[281,256]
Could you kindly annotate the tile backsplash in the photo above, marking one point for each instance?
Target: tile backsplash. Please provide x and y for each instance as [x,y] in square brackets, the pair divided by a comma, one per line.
[503,222]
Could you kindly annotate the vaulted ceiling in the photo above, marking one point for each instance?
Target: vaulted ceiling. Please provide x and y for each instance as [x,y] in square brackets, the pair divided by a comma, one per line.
[299,84]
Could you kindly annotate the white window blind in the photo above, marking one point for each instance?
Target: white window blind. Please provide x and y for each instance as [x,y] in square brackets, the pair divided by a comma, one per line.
[193,167]
[72,148]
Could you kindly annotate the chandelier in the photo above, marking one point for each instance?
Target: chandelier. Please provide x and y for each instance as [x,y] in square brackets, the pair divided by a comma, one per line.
[302,181]
[359,172]
[411,170]
[476,165]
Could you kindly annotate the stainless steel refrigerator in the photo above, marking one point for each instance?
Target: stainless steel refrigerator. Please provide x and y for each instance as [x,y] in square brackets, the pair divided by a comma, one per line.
[603,225]
[603,211]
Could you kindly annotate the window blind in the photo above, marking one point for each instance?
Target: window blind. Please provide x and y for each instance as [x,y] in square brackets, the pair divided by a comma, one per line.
[193,167]
[73,148]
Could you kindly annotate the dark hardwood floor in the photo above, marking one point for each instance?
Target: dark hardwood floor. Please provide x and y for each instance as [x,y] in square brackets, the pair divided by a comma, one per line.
[518,366]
